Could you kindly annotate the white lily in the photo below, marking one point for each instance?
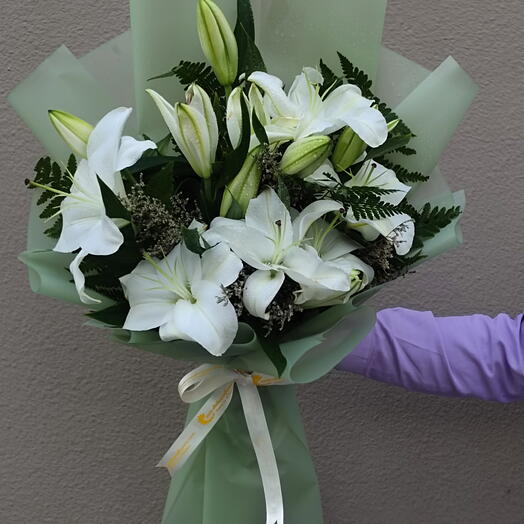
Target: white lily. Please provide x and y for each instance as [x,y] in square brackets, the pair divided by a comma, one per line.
[400,228]
[303,112]
[373,174]
[183,295]
[335,248]
[269,241]
[255,102]
[85,224]
[194,127]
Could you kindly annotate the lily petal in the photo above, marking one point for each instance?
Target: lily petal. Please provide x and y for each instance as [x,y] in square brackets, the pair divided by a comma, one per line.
[311,214]
[250,245]
[104,143]
[400,229]
[260,289]
[234,115]
[200,100]
[346,106]
[80,280]
[373,174]
[131,150]
[209,321]
[273,87]
[220,264]
[270,217]
[304,266]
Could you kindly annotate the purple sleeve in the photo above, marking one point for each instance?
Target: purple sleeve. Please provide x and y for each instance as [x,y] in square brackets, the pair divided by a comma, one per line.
[475,356]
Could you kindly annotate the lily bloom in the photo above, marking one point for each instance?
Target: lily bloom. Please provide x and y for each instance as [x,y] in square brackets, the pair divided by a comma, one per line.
[184,296]
[86,226]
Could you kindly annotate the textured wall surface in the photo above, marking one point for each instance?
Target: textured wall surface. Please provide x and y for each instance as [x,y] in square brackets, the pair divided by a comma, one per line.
[82,421]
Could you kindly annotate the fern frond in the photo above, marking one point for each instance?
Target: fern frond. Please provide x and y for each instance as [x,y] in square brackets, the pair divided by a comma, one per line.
[431,220]
[404,175]
[356,76]
[193,72]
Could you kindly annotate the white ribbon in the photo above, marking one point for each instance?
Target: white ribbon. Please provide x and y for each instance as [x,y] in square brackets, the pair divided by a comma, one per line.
[220,382]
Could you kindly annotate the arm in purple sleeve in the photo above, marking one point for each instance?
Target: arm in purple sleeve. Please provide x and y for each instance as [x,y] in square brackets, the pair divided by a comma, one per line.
[474,356]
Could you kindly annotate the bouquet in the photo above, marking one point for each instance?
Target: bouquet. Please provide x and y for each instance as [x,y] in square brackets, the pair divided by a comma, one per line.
[257,200]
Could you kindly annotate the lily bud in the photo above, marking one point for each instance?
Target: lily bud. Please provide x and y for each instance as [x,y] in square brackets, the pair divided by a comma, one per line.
[393,124]
[244,186]
[348,150]
[73,130]
[234,115]
[218,41]
[304,153]
[257,103]
[194,128]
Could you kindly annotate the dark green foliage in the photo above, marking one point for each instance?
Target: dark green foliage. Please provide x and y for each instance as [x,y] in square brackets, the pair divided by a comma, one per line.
[161,185]
[107,285]
[192,240]
[114,316]
[356,76]
[390,116]
[113,205]
[193,72]
[405,176]
[431,220]
[283,192]
[371,207]
[365,202]
[393,144]
[249,56]
[271,347]
[407,151]
[50,174]
[259,129]
[331,80]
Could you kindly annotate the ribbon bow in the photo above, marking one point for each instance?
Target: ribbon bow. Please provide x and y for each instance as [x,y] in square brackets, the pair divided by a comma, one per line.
[220,382]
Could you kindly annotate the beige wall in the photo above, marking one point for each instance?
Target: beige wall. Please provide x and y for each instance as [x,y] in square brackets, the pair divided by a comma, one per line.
[82,421]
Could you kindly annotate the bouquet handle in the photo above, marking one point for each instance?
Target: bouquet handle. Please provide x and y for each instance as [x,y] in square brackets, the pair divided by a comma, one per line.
[206,490]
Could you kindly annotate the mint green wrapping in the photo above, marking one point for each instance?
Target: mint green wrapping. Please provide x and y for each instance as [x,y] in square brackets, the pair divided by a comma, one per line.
[221,482]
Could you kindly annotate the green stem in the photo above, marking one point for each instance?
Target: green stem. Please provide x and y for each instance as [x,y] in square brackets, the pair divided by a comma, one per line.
[228,90]
[209,191]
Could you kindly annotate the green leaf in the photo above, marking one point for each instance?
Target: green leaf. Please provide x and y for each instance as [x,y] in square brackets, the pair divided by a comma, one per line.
[192,240]
[430,221]
[245,17]
[56,229]
[112,316]
[404,176]
[235,212]
[49,174]
[272,349]
[390,115]
[283,192]
[154,162]
[259,129]
[355,76]
[161,185]
[193,72]
[113,205]
[392,144]
[249,56]
[331,80]
[106,284]
[270,346]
